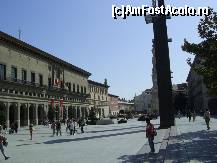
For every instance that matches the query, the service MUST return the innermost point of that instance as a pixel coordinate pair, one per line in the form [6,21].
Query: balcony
[18,82]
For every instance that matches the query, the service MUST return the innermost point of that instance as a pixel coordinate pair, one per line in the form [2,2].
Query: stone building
[199,99]
[98,99]
[34,83]
[113,104]
[125,106]
[143,102]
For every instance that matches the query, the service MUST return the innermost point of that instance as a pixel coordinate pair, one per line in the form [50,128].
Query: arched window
[82,89]
[73,87]
[77,88]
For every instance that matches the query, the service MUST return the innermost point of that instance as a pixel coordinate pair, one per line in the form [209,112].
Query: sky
[84,34]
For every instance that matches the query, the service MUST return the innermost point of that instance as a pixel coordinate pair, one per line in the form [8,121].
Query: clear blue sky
[84,33]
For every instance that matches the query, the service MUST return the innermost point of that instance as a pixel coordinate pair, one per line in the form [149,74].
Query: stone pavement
[99,144]
[185,142]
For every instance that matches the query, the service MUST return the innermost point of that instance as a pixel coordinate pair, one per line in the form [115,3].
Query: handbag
[155,132]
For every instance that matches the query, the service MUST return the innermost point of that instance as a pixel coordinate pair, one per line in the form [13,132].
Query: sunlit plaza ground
[105,143]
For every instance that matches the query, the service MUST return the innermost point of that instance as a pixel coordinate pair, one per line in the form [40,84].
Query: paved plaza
[188,142]
[105,143]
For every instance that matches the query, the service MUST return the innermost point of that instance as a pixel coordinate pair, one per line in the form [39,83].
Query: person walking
[194,115]
[72,127]
[179,114]
[5,127]
[82,124]
[3,142]
[189,116]
[68,125]
[150,133]
[207,118]
[16,127]
[53,127]
[58,128]
[31,130]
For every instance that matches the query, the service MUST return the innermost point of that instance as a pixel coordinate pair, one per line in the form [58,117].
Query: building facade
[98,99]
[143,102]
[125,106]
[35,85]
[113,104]
[199,99]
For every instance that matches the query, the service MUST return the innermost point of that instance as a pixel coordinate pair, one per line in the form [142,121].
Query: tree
[92,115]
[50,113]
[206,52]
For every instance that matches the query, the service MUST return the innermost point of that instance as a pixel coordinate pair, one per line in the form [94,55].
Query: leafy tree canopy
[205,52]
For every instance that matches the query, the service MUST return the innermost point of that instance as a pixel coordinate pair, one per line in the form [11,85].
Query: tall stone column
[27,107]
[18,114]
[81,112]
[67,112]
[75,108]
[36,114]
[78,110]
[8,114]
[84,112]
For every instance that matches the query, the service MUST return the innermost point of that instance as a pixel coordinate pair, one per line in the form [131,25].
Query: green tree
[51,113]
[205,51]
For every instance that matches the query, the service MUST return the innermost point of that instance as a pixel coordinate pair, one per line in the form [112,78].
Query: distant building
[180,88]
[125,106]
[99,98]
[143,102]
[113,104]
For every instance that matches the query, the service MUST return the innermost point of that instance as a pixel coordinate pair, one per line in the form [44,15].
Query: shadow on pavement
[200,146]
[119,129]
[141,158]
[90,137]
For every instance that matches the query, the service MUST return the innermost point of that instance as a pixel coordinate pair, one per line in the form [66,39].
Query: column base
[18,123]
[8,123]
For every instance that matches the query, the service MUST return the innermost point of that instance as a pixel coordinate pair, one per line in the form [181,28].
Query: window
[2,72]
[14,73]
[32,77]
[85,91]
[73,87]
[98,97]
[49,67]
[49,82]
[77,88]
[82,89]
[24,75]
[70,87]
[62,84]
[40,80]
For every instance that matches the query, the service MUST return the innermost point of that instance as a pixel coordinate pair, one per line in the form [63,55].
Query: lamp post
[163,68]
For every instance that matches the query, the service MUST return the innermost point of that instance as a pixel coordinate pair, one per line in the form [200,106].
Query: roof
[39,53]
[97,84]
[113,95]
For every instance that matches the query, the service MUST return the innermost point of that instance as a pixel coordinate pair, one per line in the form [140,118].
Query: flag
[52,103]
[61,106]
